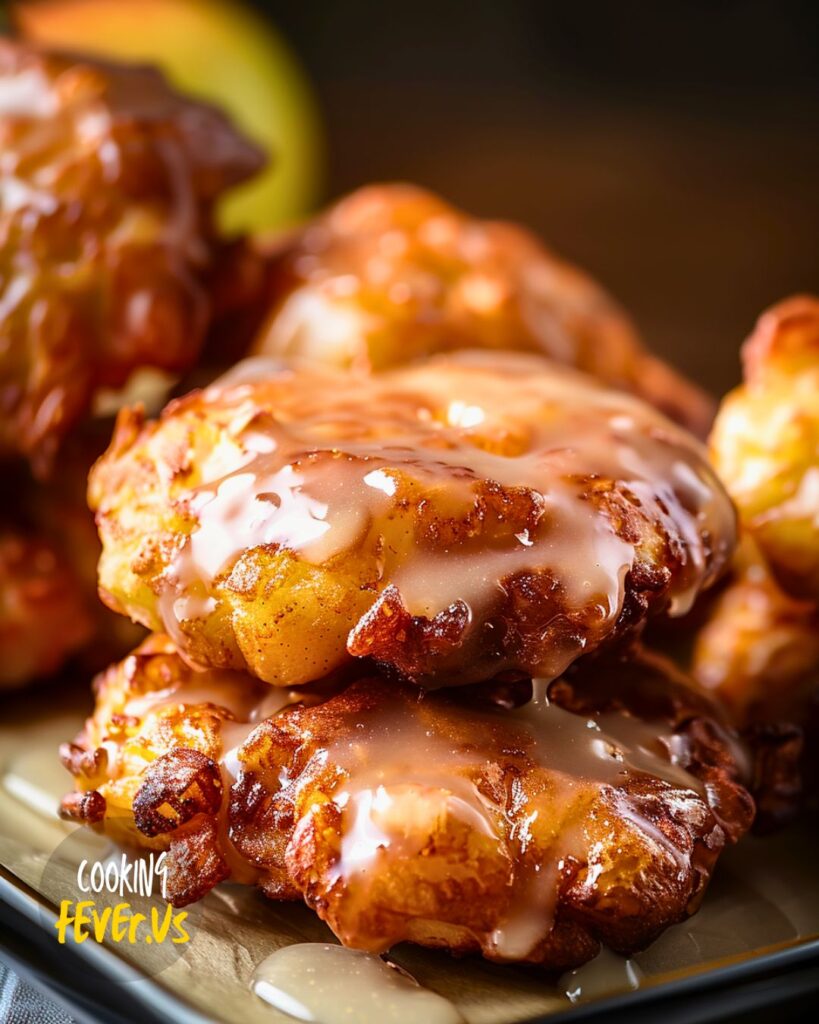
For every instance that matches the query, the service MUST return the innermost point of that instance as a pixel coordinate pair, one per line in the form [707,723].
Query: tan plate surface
[765,897]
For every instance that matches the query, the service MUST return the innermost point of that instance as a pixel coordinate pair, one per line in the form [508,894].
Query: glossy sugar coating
[477,513]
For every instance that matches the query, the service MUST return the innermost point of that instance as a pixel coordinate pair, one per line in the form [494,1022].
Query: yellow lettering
[179,924]
[119,926]
[161,931]
[124,925]
[101,923]
[64,920]
[81,918]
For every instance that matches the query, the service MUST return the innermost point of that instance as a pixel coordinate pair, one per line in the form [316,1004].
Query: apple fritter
[392,273]
[533,834]
[107,246]
[52,614]
[758,650]
[477,513]
[44,618]
[765,442]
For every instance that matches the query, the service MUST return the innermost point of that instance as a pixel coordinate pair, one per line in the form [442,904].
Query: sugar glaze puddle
[330,984]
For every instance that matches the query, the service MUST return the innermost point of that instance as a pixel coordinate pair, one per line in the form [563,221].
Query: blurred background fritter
[44,619]
[392,273]
[53,617]
[765,442]
[667,149]
[111,272]
[107,242]
[758,649]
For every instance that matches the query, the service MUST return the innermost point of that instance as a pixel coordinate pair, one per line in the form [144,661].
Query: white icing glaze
[604,746]
[607,975]
[248,701]
[329,984]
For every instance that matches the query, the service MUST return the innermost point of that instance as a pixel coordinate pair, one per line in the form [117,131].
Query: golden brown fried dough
[392,273]
[765,442]
[107,184]
[533,834]
[477,513]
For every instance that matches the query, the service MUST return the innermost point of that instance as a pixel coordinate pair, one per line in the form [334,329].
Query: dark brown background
[670,148]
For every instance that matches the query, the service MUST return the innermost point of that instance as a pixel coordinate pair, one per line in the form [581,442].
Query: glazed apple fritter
[765,442]
[532,834]
[107,247]
[392,273]
[473,514]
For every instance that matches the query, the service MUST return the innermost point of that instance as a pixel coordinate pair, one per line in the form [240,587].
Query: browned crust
[787,333]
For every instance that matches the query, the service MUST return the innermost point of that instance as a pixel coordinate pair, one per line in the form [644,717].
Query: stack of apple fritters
[396,666]
[399,567]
